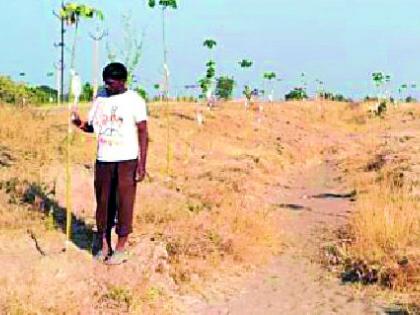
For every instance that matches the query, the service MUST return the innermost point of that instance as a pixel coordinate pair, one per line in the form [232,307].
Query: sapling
[304,83]
[320,93]
[206,88]
[208,84]
[269,76]
[247,91]
[403,91]
[380,79]
[165,5]
[71,13]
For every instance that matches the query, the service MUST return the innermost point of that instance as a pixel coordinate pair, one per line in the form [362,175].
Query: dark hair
[116,71]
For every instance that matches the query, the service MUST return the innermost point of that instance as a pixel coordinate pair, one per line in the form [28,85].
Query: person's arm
[82,125]
[143,147]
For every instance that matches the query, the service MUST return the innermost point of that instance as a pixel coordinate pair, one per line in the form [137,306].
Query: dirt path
[295,283]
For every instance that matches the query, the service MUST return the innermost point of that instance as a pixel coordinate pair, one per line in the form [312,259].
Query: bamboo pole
[68,177]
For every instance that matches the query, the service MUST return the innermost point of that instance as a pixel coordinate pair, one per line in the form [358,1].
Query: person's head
[115,77]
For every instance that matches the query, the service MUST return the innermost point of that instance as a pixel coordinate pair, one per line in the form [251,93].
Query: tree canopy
[164,4]
[210,43]
[72,12]
[245,63]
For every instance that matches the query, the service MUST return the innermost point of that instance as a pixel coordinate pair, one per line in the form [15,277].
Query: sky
[340,42]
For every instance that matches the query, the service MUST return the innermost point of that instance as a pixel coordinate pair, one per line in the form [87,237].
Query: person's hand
[140,174]
[75,118]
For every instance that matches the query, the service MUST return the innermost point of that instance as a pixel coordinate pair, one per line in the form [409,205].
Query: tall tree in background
[130,50]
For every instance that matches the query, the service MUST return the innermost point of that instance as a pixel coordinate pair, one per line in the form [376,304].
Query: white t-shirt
[114,120]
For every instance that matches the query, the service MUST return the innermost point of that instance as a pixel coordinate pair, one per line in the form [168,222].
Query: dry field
[218,213]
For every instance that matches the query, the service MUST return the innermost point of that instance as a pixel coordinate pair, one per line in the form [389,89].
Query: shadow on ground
[350,195]
[41,198]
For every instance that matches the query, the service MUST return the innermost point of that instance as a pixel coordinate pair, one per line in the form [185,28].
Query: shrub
[297,94]
[224,87]
[21,94]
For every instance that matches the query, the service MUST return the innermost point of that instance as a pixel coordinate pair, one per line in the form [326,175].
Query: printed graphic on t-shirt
[109,128]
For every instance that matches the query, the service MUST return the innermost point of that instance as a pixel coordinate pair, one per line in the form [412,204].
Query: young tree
[320,92]
[208,83]
[205,83]
[72,13]
[247,91]
[130,49]
[164,6]
[269,76]
[380,80]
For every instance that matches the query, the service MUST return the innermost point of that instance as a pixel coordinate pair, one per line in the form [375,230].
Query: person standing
[119,120]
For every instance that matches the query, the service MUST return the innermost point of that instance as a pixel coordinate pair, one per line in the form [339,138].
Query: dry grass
[198,212]
[211,214]
[385,226]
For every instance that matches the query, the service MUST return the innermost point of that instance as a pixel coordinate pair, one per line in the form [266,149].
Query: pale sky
[340,42]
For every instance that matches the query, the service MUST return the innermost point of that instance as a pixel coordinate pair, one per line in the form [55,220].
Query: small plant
[119,295]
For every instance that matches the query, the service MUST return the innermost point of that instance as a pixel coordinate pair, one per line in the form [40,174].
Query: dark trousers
[115,189]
